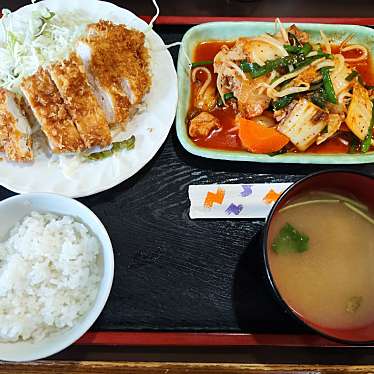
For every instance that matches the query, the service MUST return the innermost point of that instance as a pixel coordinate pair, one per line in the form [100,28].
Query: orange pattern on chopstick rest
[271,196]
[214,197]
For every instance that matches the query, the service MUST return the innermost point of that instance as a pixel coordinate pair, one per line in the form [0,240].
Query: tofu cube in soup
[303,124]
[50,111]
[15,130]
[81,102]
[359,112]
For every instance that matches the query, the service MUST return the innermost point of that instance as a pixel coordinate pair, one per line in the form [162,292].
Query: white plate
[150,127]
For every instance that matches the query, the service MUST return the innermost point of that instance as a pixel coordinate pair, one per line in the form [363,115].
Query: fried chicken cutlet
[72,82]
[15,131]
[117,63]
[50,111]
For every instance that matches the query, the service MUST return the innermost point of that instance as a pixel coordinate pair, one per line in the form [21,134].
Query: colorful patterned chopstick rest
[234,200]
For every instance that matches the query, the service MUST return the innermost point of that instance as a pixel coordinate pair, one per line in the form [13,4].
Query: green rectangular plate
[233,30]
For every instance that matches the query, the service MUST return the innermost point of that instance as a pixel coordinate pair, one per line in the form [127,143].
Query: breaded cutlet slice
[72,82]
[15,130]
[50,111]
[118,61]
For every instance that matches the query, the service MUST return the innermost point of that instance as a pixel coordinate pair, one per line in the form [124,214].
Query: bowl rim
[105,285]
[269,274]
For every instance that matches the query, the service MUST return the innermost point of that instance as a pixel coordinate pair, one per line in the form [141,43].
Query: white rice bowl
[49,276]
[56,273]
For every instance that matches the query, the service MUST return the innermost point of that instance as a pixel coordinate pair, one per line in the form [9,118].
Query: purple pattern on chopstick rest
[232,208]
[247,190]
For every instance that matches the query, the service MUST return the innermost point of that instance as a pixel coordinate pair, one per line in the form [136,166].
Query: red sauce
[333,145]
[365,68]
[229,140]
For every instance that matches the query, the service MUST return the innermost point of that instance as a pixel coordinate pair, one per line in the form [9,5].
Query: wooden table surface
[252,359]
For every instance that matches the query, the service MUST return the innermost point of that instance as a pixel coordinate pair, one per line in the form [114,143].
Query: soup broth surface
[332,282]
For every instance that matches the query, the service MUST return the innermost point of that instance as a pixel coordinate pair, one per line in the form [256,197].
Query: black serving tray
[176,274]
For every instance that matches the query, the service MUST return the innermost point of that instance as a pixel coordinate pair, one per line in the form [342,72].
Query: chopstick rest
[234,200]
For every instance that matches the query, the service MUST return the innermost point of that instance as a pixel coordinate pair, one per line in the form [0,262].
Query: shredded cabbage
[43,38]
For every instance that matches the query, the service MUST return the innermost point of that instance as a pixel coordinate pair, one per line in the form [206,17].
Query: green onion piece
[254,69]
[367,141]
[353,145]
[228,96]
[369,87]
[282,102]
[127,144]
[290,240]
[200,63]
[245,66]
[351,76]
[220,103]
[360,80]
[329,88]
[319,98]
[304,50]
[292,48]
[307,48]
[355,74]
[308,60]
[299,61]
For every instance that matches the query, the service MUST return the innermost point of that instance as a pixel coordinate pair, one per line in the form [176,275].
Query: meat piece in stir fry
[252,100]
[203,124]
[302,37]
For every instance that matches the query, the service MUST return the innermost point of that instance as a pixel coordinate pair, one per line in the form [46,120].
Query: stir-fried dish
[282,93]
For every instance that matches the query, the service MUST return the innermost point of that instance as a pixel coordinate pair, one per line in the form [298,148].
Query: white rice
[49,276]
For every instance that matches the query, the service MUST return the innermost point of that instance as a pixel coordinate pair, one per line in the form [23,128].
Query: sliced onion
[288,76]
[325,42]
[282,30]
[326,63]
[207,82]
[274,42]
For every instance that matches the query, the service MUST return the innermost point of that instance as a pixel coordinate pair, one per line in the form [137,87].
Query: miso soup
[321,256]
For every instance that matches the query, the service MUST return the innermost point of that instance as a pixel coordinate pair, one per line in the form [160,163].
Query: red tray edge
[188,339]
[195,20]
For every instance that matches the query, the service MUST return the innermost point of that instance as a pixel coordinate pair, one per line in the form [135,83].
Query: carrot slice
[260,139]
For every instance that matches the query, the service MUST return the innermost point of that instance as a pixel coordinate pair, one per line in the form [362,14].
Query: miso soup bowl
[353,183]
